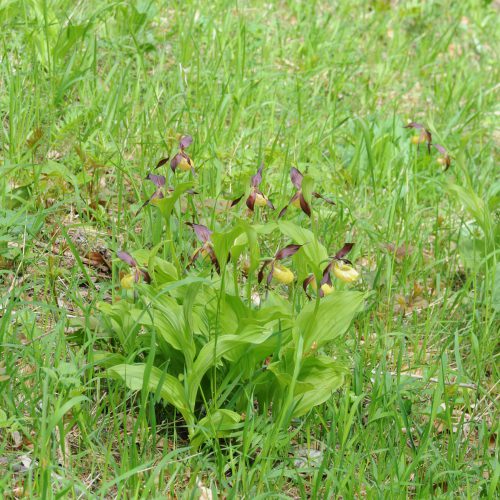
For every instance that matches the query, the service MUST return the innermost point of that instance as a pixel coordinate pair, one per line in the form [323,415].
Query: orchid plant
[256,196]
[426,136]
[206,250]
[204,331]
[278,271]
[298,200]
[341,267]
[137,273]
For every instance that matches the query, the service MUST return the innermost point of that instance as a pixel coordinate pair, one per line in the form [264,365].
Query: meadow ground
[94,94]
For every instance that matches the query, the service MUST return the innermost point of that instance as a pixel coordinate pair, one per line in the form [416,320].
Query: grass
[93,94]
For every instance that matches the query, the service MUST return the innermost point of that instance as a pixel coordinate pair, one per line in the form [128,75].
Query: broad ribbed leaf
[331,319]
[217,424]
[169,387]
[214,350]
[325,375]
[166,205]
[307,188]
[167,316]
[313,249]
[223,241]
[247,242]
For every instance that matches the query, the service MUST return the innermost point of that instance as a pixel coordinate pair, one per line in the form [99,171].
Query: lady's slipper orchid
[345,272]
[181,160]
[282,274]
[204,236]
[424,136]
[298,199]
[444,159]
[256,197]
[128,280]
[159,182]
[342,269]
[278,271]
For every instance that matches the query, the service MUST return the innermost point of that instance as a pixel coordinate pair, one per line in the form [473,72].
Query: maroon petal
[328,268]
[251,200]
[185,142]
[158,194]
[157,180]
[343,251]
[270,275]
[427,137]
[415,125]
[127,258]
[326,278]
[288,251]
[137,275]
[292,199]
[236,200]
[324,198]
[304,205]
[188,159]
[145,275]
[282,212]
[257,178]
[202,232]
[175,161]
[213,258]
[260,276]
[142,206]
[441,149]
[307,282]
[296,177]
[162,162]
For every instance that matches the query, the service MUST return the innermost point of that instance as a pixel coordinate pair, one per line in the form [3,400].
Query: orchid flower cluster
[426,136]
[272,268]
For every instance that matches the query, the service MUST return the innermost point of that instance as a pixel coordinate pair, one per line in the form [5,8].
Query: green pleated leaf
[167,386]
[218,424]
[215,349]
[312,248]
[319,377]
[331,319]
